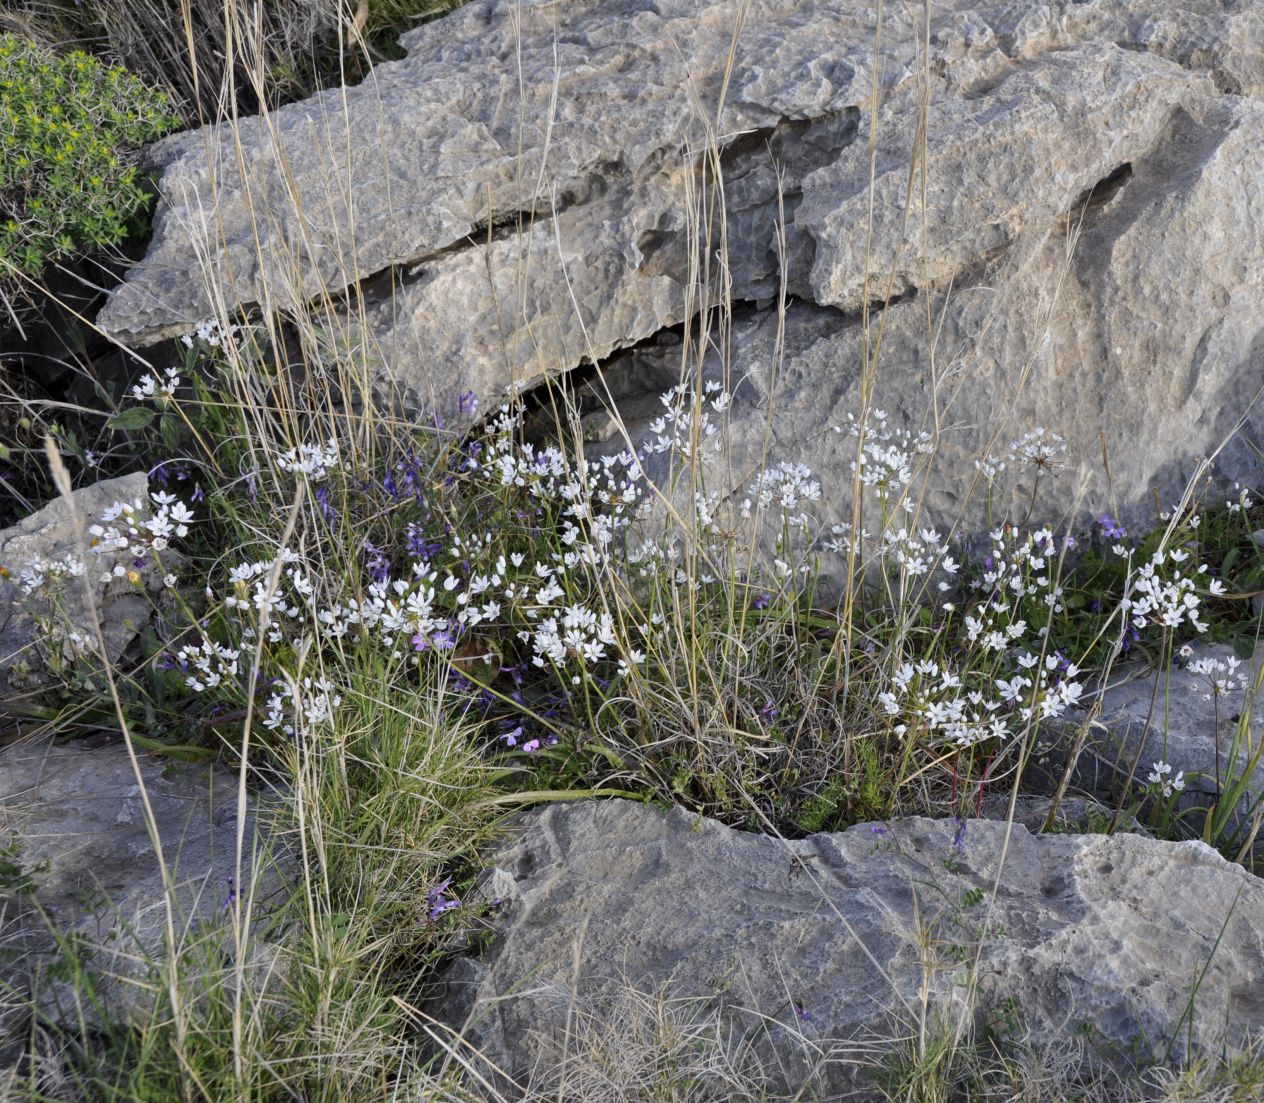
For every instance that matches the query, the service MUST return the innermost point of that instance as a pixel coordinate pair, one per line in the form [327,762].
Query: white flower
[1160,774]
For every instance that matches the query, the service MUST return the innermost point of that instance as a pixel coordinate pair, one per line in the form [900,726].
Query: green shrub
[70,128]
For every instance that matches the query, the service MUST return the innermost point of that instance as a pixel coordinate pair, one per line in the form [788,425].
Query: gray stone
[78,860]
[521,193]
[1092,935]
[34,628]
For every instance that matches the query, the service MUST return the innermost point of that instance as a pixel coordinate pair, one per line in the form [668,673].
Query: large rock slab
[78,860]
[522,194]
[52,623]
[817,944]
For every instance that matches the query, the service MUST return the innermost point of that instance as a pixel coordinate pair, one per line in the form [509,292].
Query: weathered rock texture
[830,939]
[33,627]
[76,850]
[1079,251]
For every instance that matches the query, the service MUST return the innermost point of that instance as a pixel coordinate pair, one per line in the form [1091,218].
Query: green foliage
[70,128]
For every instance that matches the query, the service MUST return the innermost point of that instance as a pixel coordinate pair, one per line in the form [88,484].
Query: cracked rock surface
[78,857]
[805,946]
[520,195]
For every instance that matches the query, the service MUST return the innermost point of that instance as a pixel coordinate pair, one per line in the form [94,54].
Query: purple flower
[322,500]
[769,711]
[467,403]
[378,564]
[801,1013]
[878,829]
[233,895]
[418,546]
[531,746]
[959,837]
[762,600]
[511,738]
[1111,528]
[167,661]
[440,900]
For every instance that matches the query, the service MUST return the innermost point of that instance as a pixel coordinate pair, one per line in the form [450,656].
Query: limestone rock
[32,625]
[76,849]
[521,194]
[817,945]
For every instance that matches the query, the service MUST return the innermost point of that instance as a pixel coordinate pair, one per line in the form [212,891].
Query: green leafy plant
[71,128]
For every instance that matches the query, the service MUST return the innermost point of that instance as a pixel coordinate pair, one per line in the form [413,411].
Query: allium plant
[607,628]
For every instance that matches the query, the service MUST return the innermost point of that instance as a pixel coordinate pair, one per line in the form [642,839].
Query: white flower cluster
[1161,775]
[1242,503]
[315,461]
[211,665]
[936,702]
[1017,568]
[1220,675]
[1038,448]
[430,609]
[788,486]
[931,700]
[687,424]
[918,555]
[150,386]
[577,632]
[124,527]
[36,574]
[123,540]
[211,332]
[887,456]
[1161,593]
[312,699]
[597,499]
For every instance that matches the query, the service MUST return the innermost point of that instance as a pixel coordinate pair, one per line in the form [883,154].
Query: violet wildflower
[959,836]
[327,511]
[442,640]
[439,900]
[769,711]
[762,600]
[1111,528]
[877,829]
[378,564]
[233,896]
[802,1013]
[467,403]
